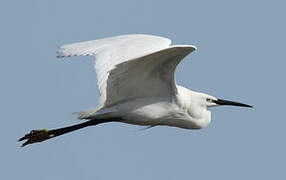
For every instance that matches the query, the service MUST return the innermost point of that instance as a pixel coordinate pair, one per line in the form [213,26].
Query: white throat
[193,103]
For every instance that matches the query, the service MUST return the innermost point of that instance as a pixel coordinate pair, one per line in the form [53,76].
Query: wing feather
[131,66]
[148,76]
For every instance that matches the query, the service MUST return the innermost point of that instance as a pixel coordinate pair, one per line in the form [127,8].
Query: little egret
[136,81]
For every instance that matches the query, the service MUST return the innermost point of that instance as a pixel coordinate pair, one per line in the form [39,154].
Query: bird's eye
[209,99]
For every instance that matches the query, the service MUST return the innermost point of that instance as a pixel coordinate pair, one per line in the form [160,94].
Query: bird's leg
[43,134]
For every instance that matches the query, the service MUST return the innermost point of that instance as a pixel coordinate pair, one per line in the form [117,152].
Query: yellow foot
[36,136]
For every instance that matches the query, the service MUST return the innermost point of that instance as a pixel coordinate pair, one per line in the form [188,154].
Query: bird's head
[197,105]
[194,100]
[211,101]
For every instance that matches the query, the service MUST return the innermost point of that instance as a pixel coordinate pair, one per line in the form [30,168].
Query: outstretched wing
[131,66]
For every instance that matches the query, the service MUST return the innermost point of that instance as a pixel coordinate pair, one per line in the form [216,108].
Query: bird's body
[153,111]
[136,80]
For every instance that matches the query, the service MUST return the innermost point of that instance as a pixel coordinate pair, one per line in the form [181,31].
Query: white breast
[151,112]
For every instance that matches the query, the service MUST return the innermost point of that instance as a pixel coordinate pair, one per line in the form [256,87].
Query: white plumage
[125,52]
[136,80]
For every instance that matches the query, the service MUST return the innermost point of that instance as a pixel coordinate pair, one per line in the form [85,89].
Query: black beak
[231,103]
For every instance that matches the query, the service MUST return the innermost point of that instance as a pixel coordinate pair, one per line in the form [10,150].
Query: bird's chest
[161,113]
[150,114]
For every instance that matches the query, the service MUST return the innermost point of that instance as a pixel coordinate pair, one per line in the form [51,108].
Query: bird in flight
[136,80]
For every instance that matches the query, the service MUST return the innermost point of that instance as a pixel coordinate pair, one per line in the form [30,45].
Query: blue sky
[240,56]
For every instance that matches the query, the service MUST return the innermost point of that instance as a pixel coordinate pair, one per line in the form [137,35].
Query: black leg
[43,134]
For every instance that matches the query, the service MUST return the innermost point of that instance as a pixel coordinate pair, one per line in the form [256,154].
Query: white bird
[136,80]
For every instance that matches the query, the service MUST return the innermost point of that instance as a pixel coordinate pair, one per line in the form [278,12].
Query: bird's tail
[98,113]
[86,114]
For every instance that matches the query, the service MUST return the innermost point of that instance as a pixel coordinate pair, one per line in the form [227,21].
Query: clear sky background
[240,56]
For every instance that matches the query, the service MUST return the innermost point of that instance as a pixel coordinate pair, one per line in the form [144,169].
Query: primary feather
[131,66]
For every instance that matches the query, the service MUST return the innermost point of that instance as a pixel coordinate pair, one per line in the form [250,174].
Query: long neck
[184,97]
[190,102]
